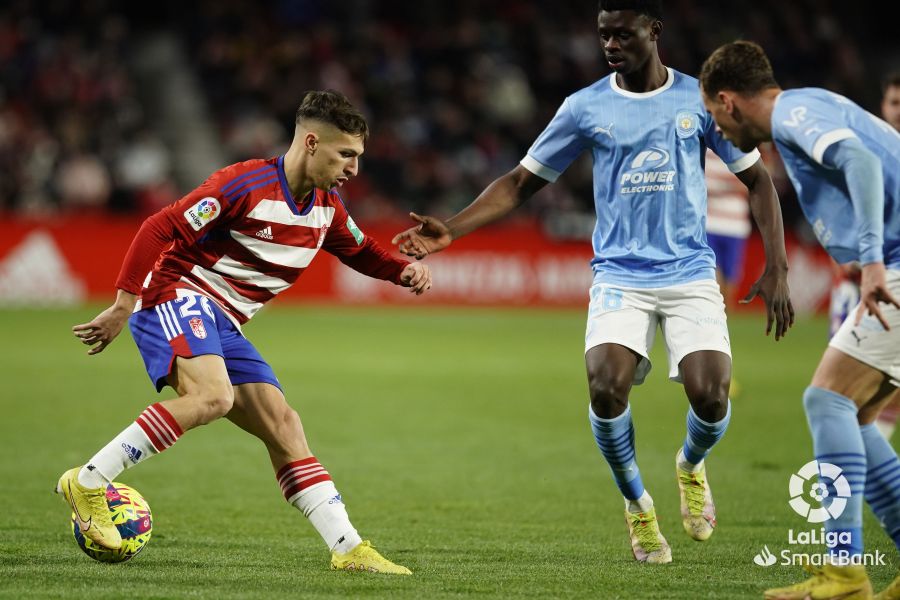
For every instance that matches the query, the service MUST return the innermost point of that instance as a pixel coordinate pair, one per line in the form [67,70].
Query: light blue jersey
[649,186]
[806,123]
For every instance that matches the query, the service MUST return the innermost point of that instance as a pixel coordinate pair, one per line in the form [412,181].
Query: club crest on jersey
[354,230]
[686,123]
[202,213]
[198,328]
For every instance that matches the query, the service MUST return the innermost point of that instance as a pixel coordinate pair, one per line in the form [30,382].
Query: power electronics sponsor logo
[198,328]
[202,213]
[647,174]
[133,453]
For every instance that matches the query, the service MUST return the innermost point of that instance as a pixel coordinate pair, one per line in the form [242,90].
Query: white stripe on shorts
[162,322]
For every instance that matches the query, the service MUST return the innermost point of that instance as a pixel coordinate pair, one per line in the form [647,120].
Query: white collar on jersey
[669,81]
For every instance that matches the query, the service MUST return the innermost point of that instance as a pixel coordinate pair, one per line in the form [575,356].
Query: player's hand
[417,277]
[872,290]
[100,332]
[429,236]
[772,287]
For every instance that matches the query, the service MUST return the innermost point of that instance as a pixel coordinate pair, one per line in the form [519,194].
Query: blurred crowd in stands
[455,91]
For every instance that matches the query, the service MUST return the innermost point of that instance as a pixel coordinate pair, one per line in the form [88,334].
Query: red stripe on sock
[163,431]
[296,478]
[302,486]
[296,463]
[160,426]
[151,435]
[308,470]
[170,420]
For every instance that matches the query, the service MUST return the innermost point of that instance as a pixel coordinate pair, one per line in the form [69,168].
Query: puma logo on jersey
[265,233]
[605,130]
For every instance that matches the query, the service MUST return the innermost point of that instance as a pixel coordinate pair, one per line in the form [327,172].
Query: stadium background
[458,431]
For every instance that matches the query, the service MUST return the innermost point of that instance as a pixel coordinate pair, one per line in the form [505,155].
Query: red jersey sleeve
[189,219]
[356,250]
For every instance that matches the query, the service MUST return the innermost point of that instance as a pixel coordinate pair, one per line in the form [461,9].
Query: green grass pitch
[458,438]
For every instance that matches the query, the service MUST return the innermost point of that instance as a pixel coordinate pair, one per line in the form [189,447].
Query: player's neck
[298,184]
[651,77]
[759,110]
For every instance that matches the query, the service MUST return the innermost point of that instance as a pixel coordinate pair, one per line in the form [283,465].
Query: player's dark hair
[650,8]
[890,80]
[334,108]
[740,66]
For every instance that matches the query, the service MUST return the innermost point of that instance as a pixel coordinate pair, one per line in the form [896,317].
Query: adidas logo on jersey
[265,234]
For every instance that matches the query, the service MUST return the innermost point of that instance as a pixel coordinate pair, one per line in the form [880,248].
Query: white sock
[322,505]
[684,465]
[153,431]
[642,504]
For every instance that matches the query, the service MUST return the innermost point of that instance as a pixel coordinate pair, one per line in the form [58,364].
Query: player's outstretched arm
[429,236]
[772,286]
[155,234]
[417,277]
[496,201]
[872,290]
[103,329]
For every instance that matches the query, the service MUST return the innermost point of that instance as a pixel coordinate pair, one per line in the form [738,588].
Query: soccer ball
[130,514]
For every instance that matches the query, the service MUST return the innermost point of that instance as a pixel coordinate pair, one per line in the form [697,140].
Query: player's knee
[216,401]
[709,399]
[609,394]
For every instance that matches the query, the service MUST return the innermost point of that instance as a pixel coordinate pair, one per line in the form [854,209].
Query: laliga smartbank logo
[818,493]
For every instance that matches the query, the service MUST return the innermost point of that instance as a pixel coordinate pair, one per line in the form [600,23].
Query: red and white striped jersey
[240,238]
[728,212]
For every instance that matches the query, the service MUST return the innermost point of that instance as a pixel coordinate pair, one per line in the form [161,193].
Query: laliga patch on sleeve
[354,230]
[203,212]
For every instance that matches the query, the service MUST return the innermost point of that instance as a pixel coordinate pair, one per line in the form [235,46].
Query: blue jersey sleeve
[734,158]
[865,184]
[557,146]
[808,123]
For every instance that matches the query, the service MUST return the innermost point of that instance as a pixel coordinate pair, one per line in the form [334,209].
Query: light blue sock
[615,438]
[838,440]
[702,436]
[882,480]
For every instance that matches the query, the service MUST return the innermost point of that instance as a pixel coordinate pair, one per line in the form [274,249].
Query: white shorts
[868,342]
[691,316]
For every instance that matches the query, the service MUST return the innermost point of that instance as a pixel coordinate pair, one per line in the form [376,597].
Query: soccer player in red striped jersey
[198,270]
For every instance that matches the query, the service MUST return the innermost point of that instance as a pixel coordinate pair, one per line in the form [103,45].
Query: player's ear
[311,142]
[726,100]
[656,28]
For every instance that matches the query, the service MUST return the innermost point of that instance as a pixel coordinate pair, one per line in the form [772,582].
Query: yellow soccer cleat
[89,510]
[365,558]
[828,582]
[647,542]
[891,592]
[698,513]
